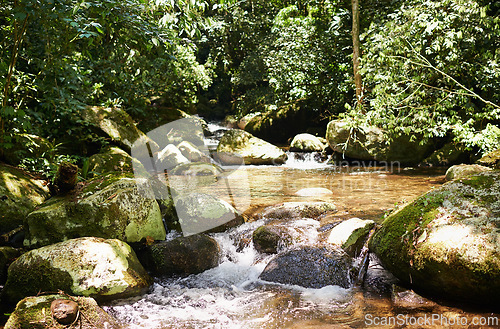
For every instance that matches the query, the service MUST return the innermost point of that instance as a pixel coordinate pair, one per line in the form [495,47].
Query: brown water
[232,296]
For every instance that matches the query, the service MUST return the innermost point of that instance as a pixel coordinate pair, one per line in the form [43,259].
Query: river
[231,295]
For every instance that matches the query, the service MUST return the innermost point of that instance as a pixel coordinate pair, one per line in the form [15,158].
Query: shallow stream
[231,295]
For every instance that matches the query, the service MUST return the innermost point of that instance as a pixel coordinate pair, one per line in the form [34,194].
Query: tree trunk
[356,52]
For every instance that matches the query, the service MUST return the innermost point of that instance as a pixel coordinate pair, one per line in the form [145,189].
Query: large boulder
[464,170]
[237,145]
[279,125]
[447,242]
[112,207]
[171,157]
[95,267]
[113,123]
[491,159]
[298,210]
[199,212]
[310,267]
[450,154]
[307,143]
[111,160]
[184,255]
[39,313]
[20,193]
[371,143]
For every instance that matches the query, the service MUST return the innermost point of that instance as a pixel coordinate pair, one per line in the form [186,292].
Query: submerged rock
[103,269]
[370,143]
[20,193]
[313,191]
[238,147]
[36,313]
[310,267]
[463,171]
[351,235]
[271,238]
[108,208]
[447,242]
[307,143]
[298,210]
[184,255]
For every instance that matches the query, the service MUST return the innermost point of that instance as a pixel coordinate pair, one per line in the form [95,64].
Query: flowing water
[232,296]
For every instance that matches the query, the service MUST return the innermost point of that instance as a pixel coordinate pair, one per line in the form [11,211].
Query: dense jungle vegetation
[429,68]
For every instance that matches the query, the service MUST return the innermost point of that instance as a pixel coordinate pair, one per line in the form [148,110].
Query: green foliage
[70,54]
[432,69]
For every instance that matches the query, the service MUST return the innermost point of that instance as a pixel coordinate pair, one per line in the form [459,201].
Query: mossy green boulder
[464,170]
[370,143]
[20,193]
[237,147]
[113,123]
[112,160]
[199,212]
[491,159]
[35,313]
[447,242]
[95,267]
[109,207]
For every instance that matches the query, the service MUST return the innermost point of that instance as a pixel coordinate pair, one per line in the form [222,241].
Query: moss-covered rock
[491,160]
[238,146]
[271,238]
[184,255]
[310,267]
[351,235]
[370,143]
[197,169]
[103,269]
[7,256]
[307,143]
[298,210]
[280,125]
[35,313]
[111,160]
[200,212]
[447,242]
[110,207]
[463,171]
[448,155]
[20,193]
[114,123]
